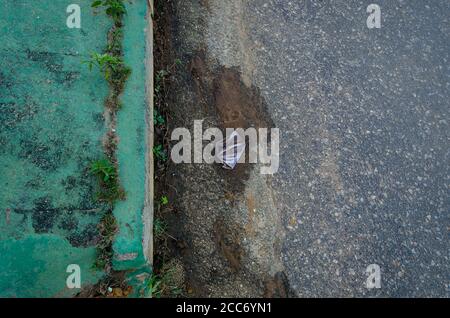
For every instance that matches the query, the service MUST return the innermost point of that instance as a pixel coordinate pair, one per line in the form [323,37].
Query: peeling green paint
[51,128]
[35,266]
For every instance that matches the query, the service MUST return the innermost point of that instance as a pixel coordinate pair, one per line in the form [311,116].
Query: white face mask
[230,150]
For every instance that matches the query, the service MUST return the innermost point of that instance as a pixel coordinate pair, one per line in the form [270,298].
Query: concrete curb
[147,214]
[133,244]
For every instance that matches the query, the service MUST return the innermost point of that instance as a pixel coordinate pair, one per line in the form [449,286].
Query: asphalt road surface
[364,150]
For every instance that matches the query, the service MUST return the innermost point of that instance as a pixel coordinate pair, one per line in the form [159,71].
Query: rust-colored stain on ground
[277,287]
[228,243]
[251,214]
[236,104]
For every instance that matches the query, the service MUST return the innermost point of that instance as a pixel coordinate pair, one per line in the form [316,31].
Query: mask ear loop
[235,142]
[224,158]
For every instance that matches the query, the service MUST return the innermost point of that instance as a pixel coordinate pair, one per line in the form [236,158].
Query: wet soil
[205,228]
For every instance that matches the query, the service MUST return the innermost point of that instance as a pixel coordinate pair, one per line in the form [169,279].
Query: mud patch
[233,103]
[278,287]
[250,202]
[237,105]
[227,241]
[202,215]
[205,3]
[225,97]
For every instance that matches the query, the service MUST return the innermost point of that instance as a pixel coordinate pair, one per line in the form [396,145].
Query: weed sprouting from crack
[160,116]
[160,153]
[111,65]
[108,229]
[110,189]
[114,8]
[167,281]
[168,277]
[106,63]
[159,228]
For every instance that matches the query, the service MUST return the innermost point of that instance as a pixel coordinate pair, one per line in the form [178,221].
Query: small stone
[117,292]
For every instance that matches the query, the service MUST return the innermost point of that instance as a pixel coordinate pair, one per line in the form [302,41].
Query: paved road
[363,176]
